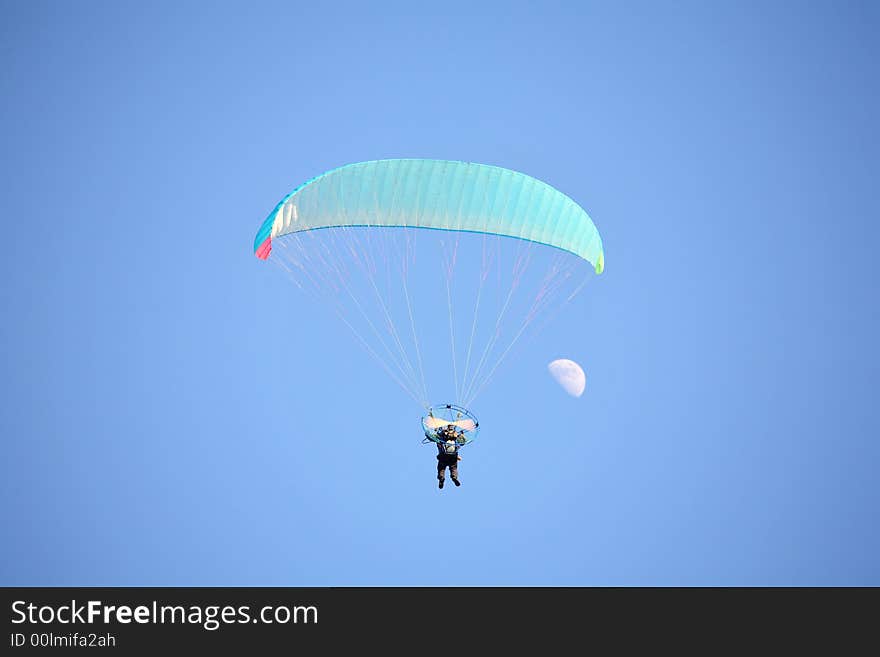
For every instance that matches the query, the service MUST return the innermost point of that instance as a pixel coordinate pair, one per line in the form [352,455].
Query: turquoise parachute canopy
[439,194]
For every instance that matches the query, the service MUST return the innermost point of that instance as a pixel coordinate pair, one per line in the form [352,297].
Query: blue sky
[176,414]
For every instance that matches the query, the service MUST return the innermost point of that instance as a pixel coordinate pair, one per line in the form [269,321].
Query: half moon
[569,375]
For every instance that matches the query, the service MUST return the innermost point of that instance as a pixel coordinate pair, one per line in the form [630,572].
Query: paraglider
[446,195]
[387,243]
[450,428]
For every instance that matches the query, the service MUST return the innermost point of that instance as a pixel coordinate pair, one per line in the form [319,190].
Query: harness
[448,448]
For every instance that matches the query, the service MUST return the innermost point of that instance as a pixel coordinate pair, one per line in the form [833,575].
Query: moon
[569,375]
